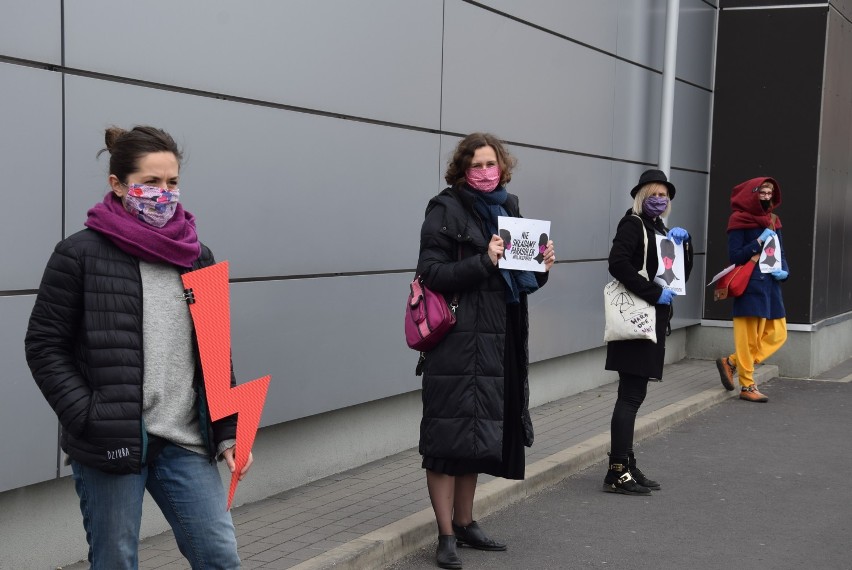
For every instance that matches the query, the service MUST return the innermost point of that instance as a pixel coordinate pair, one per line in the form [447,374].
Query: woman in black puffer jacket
[475,387]
[111,345]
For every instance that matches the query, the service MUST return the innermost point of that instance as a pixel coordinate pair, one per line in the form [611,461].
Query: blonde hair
[647,190]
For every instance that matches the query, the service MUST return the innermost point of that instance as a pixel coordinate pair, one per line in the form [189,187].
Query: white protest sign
[525,241]
[721,274]
[770,255]
[670,268]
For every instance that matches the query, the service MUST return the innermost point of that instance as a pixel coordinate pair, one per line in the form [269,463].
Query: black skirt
[514,365]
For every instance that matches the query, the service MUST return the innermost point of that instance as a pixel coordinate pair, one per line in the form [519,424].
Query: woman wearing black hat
[638,361]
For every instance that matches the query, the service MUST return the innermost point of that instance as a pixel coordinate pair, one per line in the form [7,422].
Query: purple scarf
[175,243]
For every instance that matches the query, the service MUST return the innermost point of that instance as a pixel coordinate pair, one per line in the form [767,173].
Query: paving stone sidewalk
[373,514]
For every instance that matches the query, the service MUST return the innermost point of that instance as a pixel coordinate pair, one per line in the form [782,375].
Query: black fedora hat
[654,175]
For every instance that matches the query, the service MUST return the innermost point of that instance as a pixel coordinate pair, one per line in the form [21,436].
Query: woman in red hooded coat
[760,324]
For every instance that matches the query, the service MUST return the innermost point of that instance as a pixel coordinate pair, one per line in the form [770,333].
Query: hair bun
[111,135]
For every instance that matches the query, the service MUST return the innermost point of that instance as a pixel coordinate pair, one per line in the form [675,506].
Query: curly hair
[463,155]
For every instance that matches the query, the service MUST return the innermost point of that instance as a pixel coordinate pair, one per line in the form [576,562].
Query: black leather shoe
[474,537]
[640,477]
[446,555]
[625,485]
[619,480]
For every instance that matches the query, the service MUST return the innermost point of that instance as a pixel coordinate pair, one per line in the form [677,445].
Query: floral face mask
[151,204]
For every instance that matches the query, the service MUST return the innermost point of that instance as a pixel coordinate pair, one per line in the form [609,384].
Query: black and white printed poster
[525,241]
[671,272]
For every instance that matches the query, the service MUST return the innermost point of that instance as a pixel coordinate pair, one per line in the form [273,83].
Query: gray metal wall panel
[304,189]
[832,281]
[689,207]
[381,61]
[843,7]
[31,29]
[636,122]
[565,189]
[31,163]
[593,23]
[566,316]
[696,36]
[540,89]
[690,135]
[624,178]
[328,343]
[642,31]
[30,444]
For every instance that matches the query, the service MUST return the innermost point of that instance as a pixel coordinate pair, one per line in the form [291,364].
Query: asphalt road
[745,486]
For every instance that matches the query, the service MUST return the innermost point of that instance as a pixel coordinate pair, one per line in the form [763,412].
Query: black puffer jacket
[463,375]
[84,348]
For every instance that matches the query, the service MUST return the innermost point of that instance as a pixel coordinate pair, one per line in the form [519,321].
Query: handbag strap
[644,270]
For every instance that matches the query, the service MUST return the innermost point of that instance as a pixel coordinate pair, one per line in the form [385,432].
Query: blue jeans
[189,492]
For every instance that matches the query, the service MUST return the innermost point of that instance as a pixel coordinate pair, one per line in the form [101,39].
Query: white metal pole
[667,108]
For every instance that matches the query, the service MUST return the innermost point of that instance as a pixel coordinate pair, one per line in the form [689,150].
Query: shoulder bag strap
[644,270]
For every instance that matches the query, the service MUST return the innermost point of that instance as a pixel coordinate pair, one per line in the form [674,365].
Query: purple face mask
[483,179]
[654,206]
[152,205]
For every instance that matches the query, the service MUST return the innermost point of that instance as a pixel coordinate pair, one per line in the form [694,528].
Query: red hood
[745,205]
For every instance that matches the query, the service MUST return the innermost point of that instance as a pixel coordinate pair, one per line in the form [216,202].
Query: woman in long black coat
[475,388]
[638,361]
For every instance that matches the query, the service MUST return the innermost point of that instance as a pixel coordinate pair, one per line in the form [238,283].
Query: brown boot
[726,372]
[751,394]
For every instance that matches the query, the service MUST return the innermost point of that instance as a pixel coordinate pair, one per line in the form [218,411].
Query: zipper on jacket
[143,443]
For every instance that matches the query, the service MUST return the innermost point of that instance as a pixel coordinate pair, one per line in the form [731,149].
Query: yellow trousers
[755,340]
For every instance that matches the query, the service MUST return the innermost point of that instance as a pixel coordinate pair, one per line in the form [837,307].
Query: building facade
[314,135]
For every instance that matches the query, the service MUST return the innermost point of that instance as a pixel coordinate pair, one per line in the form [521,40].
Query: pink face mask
[483,179]
[152,205]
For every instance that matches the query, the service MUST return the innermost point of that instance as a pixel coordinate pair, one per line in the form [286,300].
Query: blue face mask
[654,206]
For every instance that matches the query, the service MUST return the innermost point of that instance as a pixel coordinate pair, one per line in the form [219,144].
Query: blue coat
[762,297]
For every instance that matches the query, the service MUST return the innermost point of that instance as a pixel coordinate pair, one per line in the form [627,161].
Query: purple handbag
[428,318]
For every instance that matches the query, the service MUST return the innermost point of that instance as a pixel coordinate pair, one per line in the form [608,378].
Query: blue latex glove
[780,274]
[666,297]
[767,233]
[677,235]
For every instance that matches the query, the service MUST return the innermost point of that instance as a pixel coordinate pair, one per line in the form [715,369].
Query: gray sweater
[169,407]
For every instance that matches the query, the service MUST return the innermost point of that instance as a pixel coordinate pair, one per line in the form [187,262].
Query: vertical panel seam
[61,183]
[441,95]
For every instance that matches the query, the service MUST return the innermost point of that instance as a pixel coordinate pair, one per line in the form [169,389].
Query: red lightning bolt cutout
[209,304]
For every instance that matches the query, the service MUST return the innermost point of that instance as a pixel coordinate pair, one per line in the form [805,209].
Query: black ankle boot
[619,480]
[639,476]
[446,555]
[473,536]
